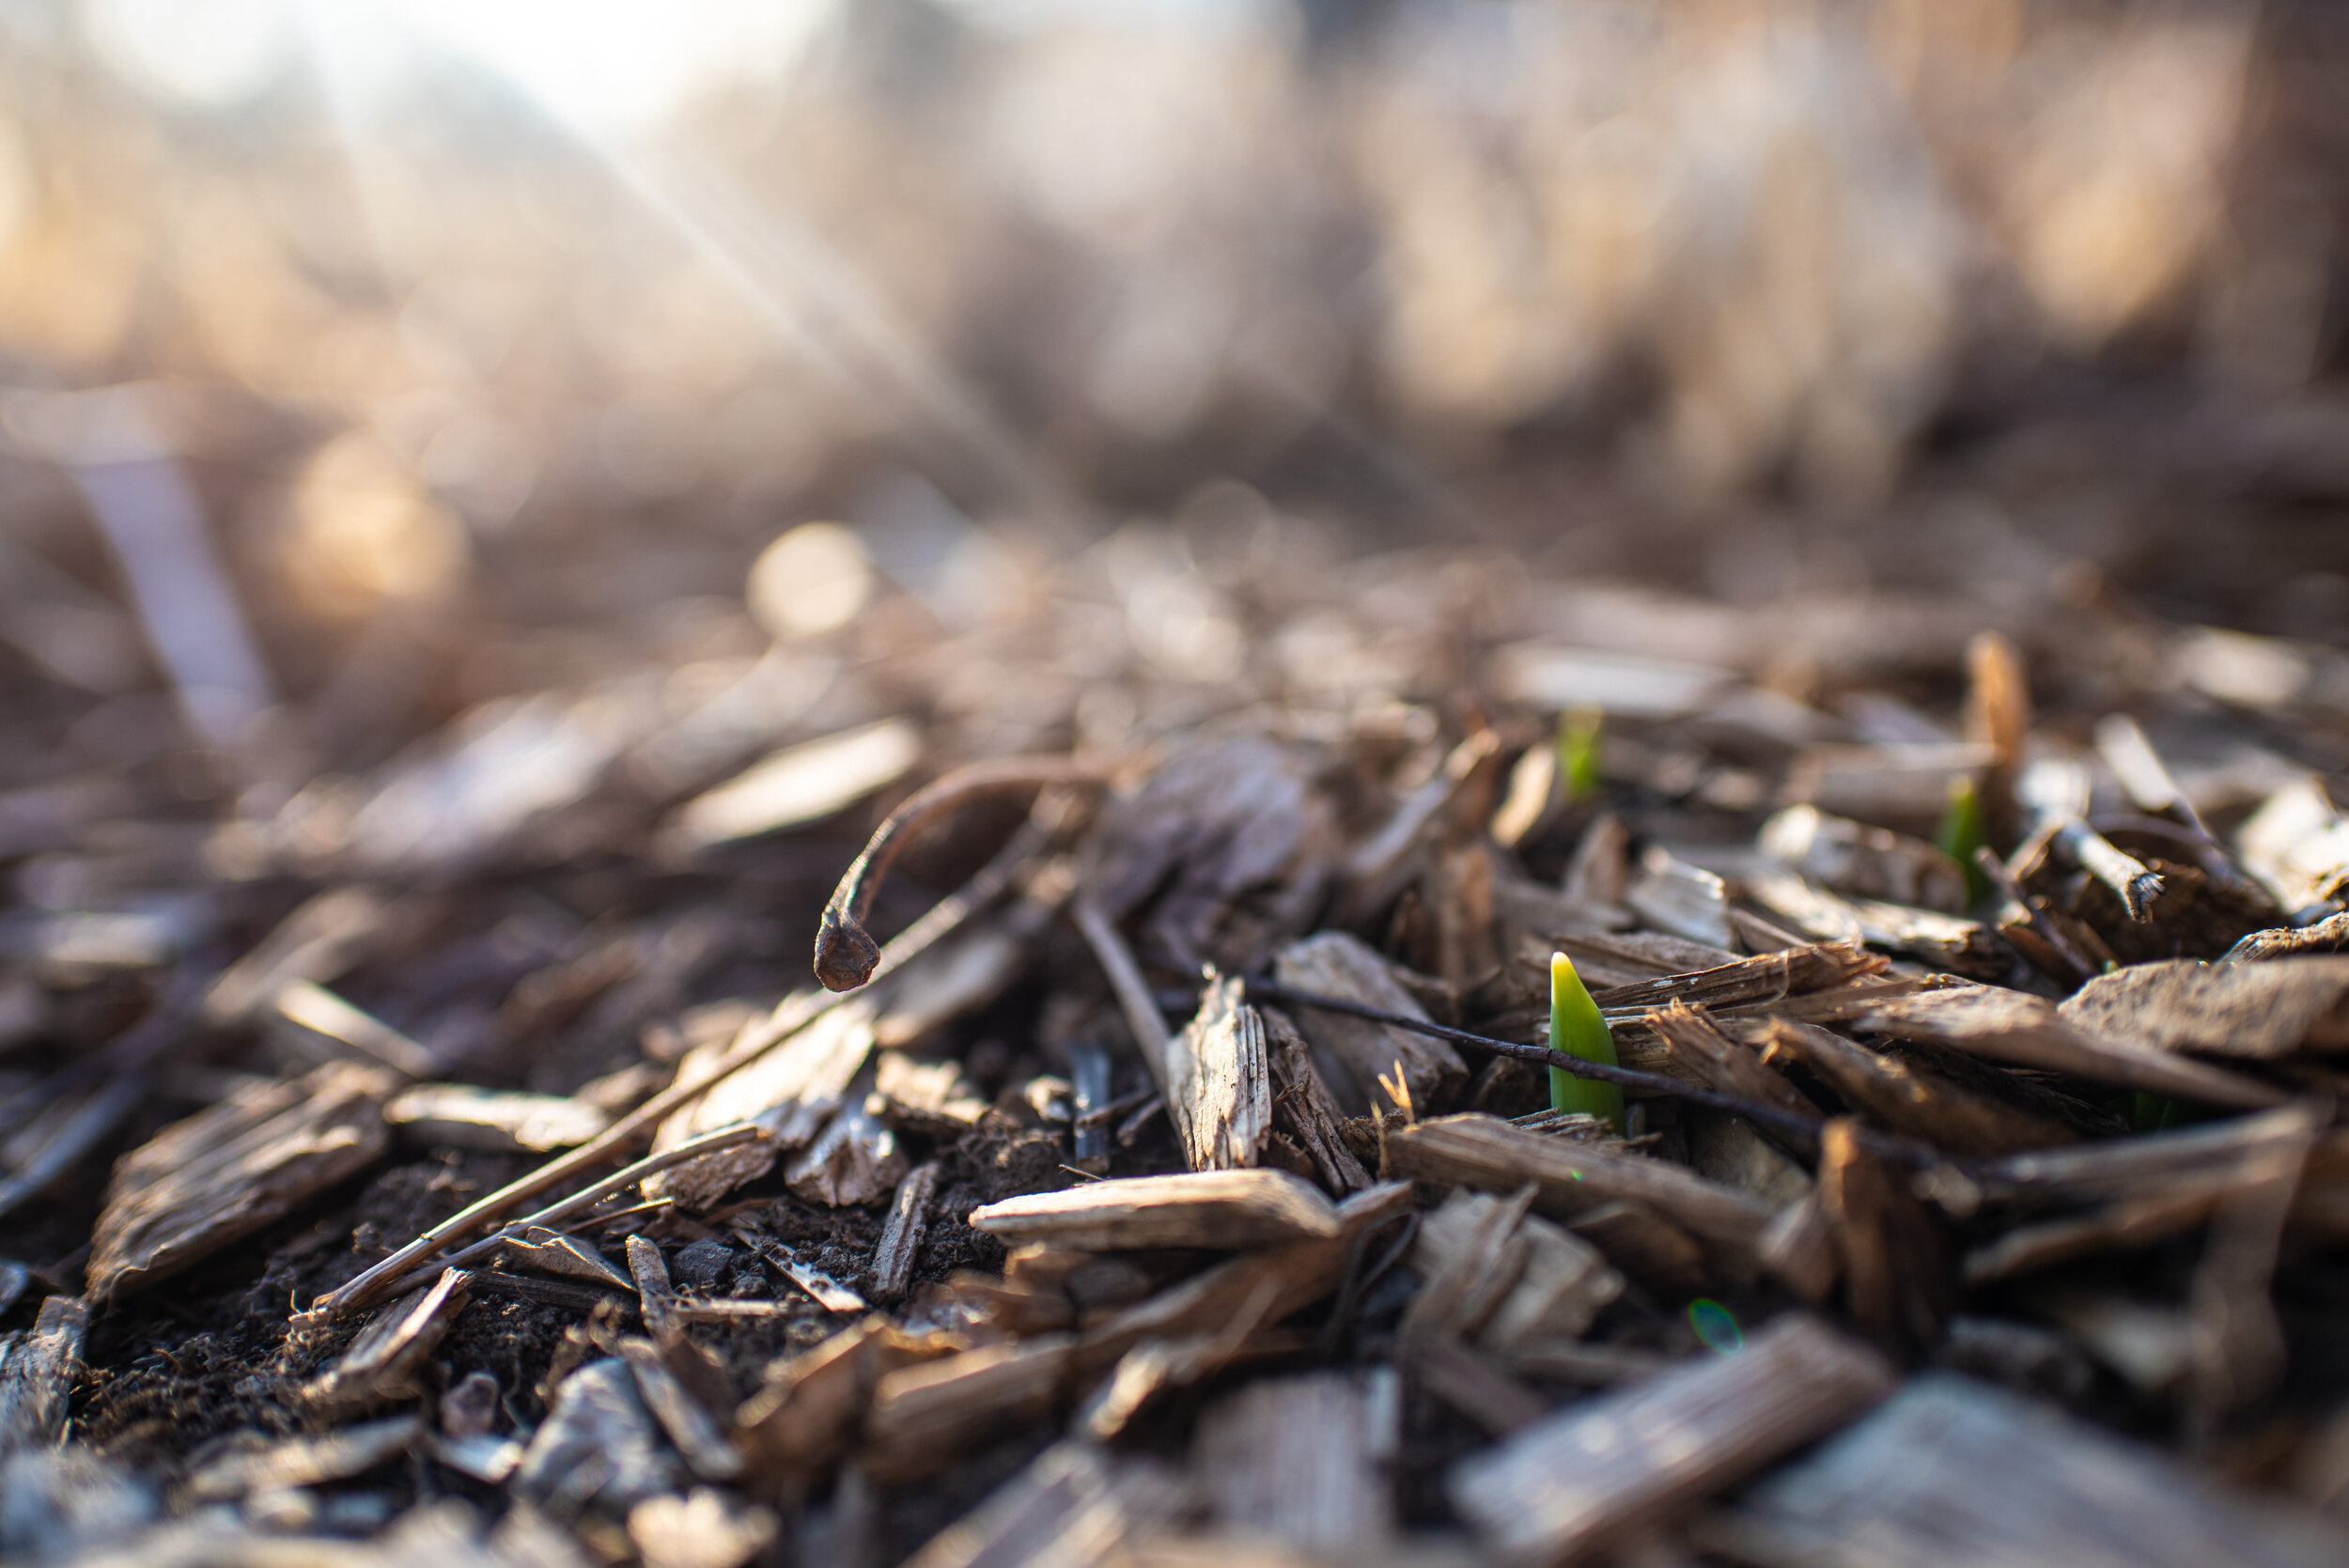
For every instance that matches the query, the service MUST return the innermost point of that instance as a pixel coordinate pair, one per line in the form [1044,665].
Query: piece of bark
[923,1415]
[1595,1473]
[1863,862]
[1639,957]
[1299,1460]
[384,1363]
[2298,845]
[1381,864]
[1908,1100]
[791,1091]
[656,1296]
[1895,1259]
[855,1160]
[705,1530]
[2213,1154]
[1952,1473]
[1492,1155]
[900,1241]
[1072,1507]
[1799,1249]
[1218,1087]
[38,1369]
[2259,1011]
[692,1428]
[1688,901]
[1599,871]
[227,1172]
[599,1443]
[1769,976]
[302,1014]
[829,1292]
[502,1120]
[264,1466]
[1303,1110]
[318,943]
[2009,1026]
[1219,1209]
[2327,936]
[1335,964]
[1155,1367]
[930,1097]
[1728,1150]
[807,1413]
[2240,1348]
[1697,1043]
[1946,941]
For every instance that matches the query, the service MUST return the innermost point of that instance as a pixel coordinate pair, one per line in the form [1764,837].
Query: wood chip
[791,1090]
[1557,1281]
[1897,1272]
[384,1360]
[1480,1152]
[1304,1112]
[1685,900]
[2009,1026]
[694,1429]
[1946,941]
[809,1408]
[855,1160]
[599,1443]
[1207,1208]
[504,1121]
[932,1097]
[1300,1460]
[1335,964]
[572,1257]
[1769,976]
[227,1172]
[1712,1058]
[1904,1098]
[1595,1472]
[900,1242]
[38,1367]
[1952,1472]
[1863,862]
[1218,1086]
[2261,1010]
[801,784]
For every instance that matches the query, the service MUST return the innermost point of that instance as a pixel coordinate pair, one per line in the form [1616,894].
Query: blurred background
[365,361]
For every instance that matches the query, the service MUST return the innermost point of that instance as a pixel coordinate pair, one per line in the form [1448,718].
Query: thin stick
[1631,1078]
[846,954]
[1143,1017]
[792,1014]
[588,1197]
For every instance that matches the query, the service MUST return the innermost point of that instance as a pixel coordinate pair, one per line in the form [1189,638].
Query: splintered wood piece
[318,942]
[1494,1157]
[1596,1471]
[1154,1367]
[2092,1172]
[1469,1257]
[38,1367]
[1767,976]
[656,1296]
[303,1008]
[1904,1098]
[855,1160]
[261,1466]
[830,1294]
[692,1429]
[901,1238]
[1946,941]
[2260,1010]
[1896,1265]
[1697,1043]
[1299,1460]
[1335,964]
[2009,1026]
[385,1357]
[1218,1084]
[2330,934]
[1951,1473]
[1622,959]
[1863,862]
[808,1410]
[1560,1280]
[227,1172]
[503,1121]
[1074,1505]
[597,1444]
[1303,1110]
[790,1091]
[1671,895]
[573,1257]
[1220,1209]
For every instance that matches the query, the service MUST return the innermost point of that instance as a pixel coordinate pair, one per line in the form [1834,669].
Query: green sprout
[1576,1029]
[1577,754]
[1962,833]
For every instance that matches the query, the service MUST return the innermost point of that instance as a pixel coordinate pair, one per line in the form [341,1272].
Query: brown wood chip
[2261,1010]
[1204,1208]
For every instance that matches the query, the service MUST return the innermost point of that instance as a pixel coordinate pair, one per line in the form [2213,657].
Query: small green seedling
[1576,1029]
[1962,833]
[1577,754]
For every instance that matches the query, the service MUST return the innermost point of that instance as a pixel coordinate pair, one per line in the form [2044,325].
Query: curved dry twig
[845,952]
